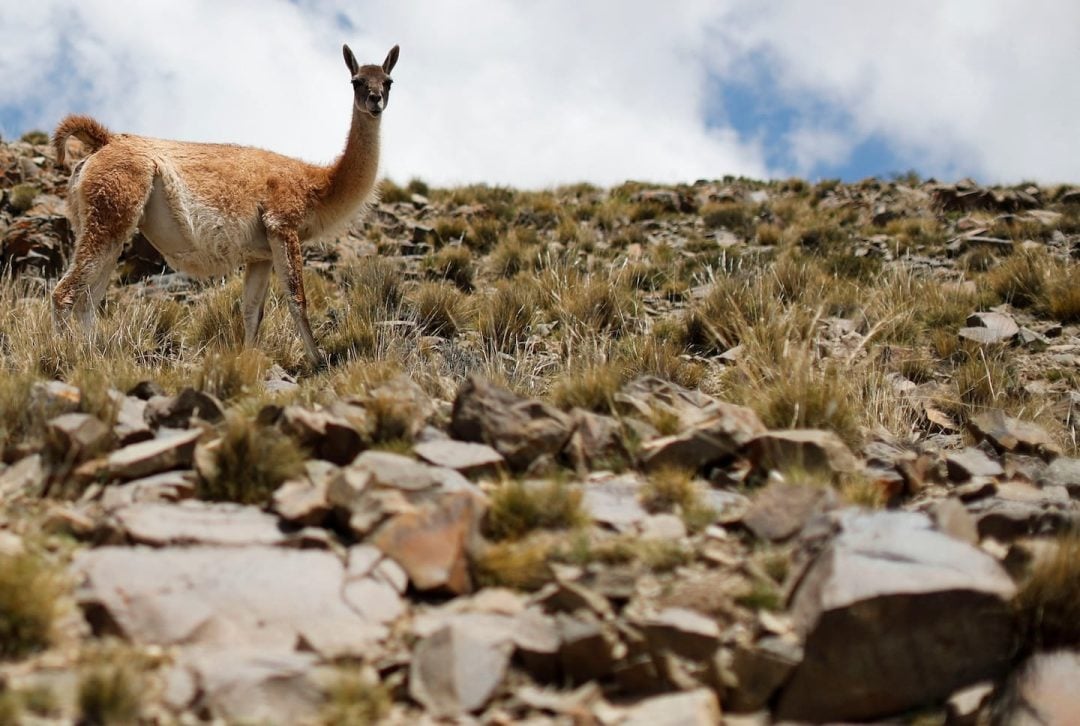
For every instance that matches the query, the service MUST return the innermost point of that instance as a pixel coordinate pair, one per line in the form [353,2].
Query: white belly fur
[195,238]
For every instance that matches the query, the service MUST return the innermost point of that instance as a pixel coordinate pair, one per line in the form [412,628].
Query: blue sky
[537,94]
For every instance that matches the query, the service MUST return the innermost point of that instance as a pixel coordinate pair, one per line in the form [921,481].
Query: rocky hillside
[734,451]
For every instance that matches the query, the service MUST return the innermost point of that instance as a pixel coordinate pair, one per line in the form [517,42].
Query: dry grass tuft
[504,317]
[520,565]
[453,263]
[673,490]
[29,589]
[592,386]
[439,308]
[518,508]
[1047,605]
[248,462]
[110,696]
[356,699]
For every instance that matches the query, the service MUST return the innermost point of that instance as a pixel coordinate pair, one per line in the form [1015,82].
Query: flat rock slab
[457,669]
[265,597]
[894,615]
[139,460]
[197,522]
[248,685]
[464,456]
[170,486]
[970,463]
[1064,472]
[615,502]
[401,472]
[693,708]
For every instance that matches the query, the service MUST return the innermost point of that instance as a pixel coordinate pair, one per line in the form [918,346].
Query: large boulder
[520,429]
[895,615]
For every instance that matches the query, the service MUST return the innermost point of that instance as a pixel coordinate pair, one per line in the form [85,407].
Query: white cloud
[518,93]
[533,94]
[975,86]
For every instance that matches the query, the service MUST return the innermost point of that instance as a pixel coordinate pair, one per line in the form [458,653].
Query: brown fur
[213,207]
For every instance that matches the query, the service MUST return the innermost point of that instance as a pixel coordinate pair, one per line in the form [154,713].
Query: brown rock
[588,650]
[130,425]
[1020,510]
[649,396]
[894,615]
[780,510]
[808,449]
[709,441]
[170,486]
[430,543]
[1012,435]
[760,670]
[331,437]
[176,451]
[521,430]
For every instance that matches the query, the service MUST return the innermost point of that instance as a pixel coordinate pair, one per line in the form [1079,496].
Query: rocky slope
[733,452]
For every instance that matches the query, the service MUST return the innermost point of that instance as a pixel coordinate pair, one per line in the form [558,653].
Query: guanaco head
[371,83]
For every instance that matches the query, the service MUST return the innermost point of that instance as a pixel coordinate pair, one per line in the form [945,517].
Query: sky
[537,94]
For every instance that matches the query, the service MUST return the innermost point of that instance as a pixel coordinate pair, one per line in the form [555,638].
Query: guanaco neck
[352,177]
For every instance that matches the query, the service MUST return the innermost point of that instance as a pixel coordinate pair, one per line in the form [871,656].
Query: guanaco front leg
[289,263]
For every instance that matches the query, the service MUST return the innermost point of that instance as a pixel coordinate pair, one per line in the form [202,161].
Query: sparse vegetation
[520,507]
[29,589]
[109,696]
[1048,602]
[248,462]
[22,196]
[356,699]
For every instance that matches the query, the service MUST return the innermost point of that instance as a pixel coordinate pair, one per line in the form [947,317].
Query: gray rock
[26,477]
[894,615]
[809,449]
[177,412]
[1044,691]
[400,472]
[648,396]
[249,685]
[197,522]
[952,518]
[596,442]
[1019,510]
[77,436]
[521,430]
[1012,435]
[170,486]
[457,669]
[331,437]
[139,460]
[969,463]
[129,426]
[1064,472]
[781,510]
[302,501]
[614,502]
[53,398]
[463,456]
[685,633]
[224,596]
[709,441]
[990,328]
[588,650]
[699,707]
[760,670]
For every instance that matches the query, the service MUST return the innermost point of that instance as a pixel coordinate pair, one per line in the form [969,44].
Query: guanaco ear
[350,60]
[391,60]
